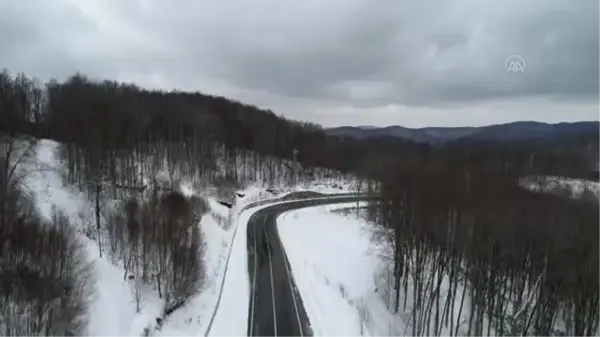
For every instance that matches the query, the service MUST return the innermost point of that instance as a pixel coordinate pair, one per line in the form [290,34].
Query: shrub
[159,241]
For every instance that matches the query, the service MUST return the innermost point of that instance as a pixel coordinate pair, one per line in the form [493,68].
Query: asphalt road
[276,308]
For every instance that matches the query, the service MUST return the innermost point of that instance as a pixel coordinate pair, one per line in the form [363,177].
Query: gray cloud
[335,62]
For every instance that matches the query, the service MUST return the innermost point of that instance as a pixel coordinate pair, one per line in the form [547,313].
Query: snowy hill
[119,302]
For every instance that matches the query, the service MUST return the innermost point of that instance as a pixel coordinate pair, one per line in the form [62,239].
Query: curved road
[276,308]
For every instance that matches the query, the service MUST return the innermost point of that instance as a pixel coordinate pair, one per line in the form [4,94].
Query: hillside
[114,294]
[120,207]
[116,117]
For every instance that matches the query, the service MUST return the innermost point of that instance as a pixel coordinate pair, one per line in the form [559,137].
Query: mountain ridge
[520,130]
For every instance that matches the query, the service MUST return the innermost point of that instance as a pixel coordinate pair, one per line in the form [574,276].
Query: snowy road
[275,308]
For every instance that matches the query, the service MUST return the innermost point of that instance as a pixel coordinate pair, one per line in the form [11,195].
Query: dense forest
[455,214]
[116,116]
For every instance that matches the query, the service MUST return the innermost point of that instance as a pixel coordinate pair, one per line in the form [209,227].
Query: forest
[455,214]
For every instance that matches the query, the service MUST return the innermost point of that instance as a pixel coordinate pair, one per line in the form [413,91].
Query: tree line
[113,115]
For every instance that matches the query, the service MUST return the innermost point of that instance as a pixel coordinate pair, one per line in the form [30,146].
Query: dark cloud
[394,61]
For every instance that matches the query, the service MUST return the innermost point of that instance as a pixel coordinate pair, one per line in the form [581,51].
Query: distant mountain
[368,127]
[501,132]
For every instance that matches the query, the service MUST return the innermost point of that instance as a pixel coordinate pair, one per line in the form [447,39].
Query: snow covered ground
[344,279]
[342,275]
[232,315]
[336,269]
[339,272]
[575,187]
[113,309]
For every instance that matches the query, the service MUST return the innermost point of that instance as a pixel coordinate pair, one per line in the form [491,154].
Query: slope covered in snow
[335,267]
[114,307]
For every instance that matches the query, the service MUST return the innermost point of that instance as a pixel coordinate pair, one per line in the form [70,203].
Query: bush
[44,275]
[159,241]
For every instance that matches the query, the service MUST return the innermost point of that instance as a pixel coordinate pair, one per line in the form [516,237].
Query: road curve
[276,308]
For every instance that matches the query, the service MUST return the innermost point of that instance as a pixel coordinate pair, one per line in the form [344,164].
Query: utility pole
[295,164]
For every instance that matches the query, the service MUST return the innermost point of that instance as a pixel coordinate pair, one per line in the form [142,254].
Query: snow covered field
[113,309]
[336,272]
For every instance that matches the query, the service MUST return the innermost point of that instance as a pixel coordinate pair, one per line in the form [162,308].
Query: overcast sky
[334,62]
